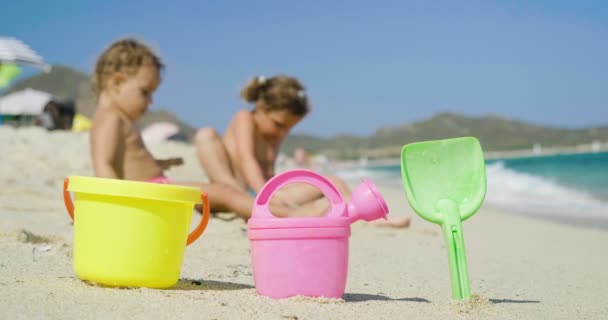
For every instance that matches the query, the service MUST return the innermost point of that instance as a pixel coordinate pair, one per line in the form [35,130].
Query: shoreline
[577,217]
[489,156]
[583,223]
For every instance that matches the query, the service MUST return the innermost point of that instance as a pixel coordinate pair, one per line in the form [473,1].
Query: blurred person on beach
[301,158]
[244,157]
[126,75]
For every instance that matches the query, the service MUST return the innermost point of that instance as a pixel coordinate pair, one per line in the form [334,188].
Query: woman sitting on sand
[244,158]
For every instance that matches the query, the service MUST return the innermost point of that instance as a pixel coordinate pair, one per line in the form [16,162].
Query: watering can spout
[366,203]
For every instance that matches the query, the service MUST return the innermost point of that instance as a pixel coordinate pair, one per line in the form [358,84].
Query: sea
[567,187]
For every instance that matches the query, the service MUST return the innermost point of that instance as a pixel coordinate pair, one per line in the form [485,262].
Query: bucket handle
[193,236]
[67,199]
[204,220]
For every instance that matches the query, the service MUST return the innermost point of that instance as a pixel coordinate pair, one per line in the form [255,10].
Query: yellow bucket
[131,234]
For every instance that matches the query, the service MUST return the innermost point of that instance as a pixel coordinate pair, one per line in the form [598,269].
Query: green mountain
[494,132]
[64,83]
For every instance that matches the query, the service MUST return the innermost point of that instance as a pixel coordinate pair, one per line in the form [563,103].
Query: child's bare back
[118,150]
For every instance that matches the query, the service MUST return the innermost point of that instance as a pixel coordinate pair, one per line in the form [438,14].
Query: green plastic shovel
[445,183]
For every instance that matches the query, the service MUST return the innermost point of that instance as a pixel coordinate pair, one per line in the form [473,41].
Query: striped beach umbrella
[13,51]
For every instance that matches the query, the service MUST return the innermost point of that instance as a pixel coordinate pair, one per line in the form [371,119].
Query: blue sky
[365,64]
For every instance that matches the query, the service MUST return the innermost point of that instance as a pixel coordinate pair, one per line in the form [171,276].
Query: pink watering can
[307,256]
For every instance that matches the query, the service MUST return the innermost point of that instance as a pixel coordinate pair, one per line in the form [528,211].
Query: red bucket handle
[202,225]
[67,199]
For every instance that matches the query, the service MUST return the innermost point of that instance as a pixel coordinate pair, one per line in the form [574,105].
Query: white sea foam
[513,191]
[535,195]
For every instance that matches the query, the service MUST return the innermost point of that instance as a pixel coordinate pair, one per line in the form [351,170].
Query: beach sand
[520,268]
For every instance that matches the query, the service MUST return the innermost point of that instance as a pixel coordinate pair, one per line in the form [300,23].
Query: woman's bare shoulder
[241,118]
[243,115]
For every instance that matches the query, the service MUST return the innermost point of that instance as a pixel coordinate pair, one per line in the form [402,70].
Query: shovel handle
[457,259]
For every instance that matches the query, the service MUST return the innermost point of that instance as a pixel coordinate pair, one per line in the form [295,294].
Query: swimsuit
[160,179]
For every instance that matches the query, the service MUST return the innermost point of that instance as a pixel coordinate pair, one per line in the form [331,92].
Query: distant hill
[496,133]
[65,83]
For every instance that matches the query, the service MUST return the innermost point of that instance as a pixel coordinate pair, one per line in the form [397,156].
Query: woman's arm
[166,164]
[245,148]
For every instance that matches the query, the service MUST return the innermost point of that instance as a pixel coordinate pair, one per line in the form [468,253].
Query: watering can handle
[195,234]
[260,207]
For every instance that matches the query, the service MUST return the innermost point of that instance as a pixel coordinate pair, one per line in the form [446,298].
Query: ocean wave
[511,190]
[531,194]
[356,173]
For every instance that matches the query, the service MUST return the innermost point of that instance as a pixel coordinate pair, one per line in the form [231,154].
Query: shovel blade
[450,169]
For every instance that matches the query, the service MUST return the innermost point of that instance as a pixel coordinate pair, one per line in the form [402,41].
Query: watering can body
[306,256]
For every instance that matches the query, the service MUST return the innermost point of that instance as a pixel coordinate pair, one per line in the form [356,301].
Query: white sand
[520,268]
